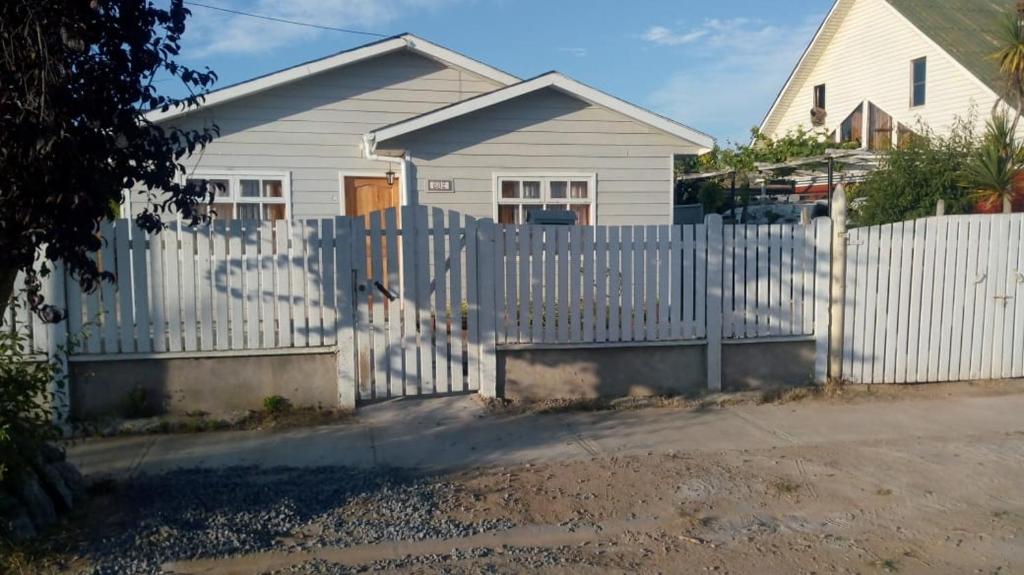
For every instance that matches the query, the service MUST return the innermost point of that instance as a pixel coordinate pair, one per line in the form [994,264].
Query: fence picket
[140,288]
[903,326]
[282,285]
[236,286]
[614,304]
[589,287]
[251,261]
[125,315]
[894,252]
[410,312]
[508,303]
[205,290]
[1010,277]
[222,286]
[189,329]
[312,272]
[376,308]
[523,259]
[348,377]
[456,336]
[676,294]
[651,283]
[473,339]
[441,341]
[326,277]
[267,304]
[537,283]
[640,283]
[700,273]
[172,292]
[627,284]
[787,299]
[395,358]
[946,311]
[361,311]
[751,283]
[728,281]
[1017,369]
[428,381]
[574,308]
[601,273]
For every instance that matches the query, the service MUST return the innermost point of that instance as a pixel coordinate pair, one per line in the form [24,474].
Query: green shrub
[26,399]
[914,177]
[275,404]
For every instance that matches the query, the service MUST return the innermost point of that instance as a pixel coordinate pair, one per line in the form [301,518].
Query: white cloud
[213,32]
[578,52]
[726,82]
[665,37]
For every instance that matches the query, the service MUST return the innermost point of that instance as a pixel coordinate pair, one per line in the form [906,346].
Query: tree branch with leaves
[76,81]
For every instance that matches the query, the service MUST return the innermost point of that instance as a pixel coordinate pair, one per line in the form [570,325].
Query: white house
[405,121]
[875,68]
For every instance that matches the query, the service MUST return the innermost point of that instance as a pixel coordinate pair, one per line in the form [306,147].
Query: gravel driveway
[928,498]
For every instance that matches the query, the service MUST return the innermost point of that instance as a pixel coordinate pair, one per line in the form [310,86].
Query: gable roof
[963,29]
[547,80]
[344,58]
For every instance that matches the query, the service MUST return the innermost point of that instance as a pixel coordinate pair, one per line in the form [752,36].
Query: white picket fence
[234,286]
[935,299]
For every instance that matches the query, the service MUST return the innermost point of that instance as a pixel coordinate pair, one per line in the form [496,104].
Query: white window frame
[235,186]
[545,179]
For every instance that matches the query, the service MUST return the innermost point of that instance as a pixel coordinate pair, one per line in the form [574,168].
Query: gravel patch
[206,513]
[481,559]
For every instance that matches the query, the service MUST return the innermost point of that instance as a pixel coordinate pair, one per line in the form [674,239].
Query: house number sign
[439,185]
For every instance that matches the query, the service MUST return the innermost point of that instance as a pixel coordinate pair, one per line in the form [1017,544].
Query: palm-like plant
[996,163]
[1011,59]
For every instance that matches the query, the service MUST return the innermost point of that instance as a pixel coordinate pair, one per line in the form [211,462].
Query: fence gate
[936,299]
[409,321]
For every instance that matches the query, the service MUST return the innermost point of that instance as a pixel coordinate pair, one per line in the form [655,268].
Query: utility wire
[283,21]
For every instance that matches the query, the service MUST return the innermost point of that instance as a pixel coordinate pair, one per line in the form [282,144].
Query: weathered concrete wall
[539,374]
[767,365]
[213,384]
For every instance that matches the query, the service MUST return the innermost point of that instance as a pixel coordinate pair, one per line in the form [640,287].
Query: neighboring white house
[404,121]
[876,68]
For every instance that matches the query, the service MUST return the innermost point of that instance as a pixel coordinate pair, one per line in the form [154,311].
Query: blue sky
[715,66]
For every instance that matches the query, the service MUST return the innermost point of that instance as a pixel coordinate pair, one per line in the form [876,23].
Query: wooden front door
[364,195]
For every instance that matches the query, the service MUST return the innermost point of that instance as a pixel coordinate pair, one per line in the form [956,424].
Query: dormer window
[918,82]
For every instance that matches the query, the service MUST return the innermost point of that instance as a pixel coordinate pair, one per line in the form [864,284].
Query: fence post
[345,336]
[486,258]
[714,301]
[822,288]
[940,207]
[837,293]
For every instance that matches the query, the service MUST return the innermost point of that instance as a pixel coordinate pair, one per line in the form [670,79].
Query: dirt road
[908,506]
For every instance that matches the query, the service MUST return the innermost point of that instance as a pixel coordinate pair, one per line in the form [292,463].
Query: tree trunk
[7,277]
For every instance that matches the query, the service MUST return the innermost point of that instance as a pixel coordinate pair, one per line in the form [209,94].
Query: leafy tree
[914,176]
[76,79]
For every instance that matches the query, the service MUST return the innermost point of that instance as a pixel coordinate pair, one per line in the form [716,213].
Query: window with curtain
[518,196]
[248,196]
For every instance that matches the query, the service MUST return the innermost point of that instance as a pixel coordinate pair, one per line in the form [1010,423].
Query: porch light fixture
[390,175]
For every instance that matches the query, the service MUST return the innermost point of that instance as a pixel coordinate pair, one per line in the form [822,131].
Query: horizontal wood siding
[869,59]
[548,132]
[313,127]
